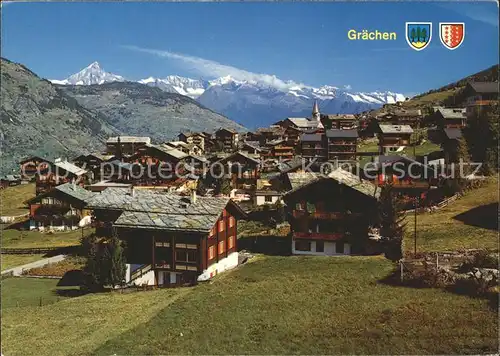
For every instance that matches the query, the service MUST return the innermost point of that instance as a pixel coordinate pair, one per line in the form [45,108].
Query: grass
[9,261]
[13,199]
[443,231]
[27,292]
[421,150]
[431,99]
[12,238]
[272,305]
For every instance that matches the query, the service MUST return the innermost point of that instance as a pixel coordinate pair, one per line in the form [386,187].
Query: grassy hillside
[13,199]
[470,222]
[272,305]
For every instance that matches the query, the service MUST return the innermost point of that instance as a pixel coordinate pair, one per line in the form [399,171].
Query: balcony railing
[318,235]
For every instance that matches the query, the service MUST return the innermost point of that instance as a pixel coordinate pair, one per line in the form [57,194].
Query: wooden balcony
[318,235]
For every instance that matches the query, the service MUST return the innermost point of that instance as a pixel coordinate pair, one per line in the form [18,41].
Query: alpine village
[341,219]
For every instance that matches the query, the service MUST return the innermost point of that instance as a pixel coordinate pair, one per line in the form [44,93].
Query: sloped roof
[342,133]
[453,133]
[129,139]
[484,87]
[161,210]
[243,154]
[452,113]
[69,167]
[395,128]
[74,191]
[311,137]
[293,163]
[341,117]
[173,152]
[301,180]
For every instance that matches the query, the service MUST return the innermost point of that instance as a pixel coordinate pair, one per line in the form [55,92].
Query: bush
[481,259]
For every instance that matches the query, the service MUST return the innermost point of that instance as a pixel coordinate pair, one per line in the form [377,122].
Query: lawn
[272,305]
[13,199]
[19,293]
[9,261]
[469,222]
[12,238]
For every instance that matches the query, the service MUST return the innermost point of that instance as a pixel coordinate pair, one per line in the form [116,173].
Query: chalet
[105,184]
[450,144]
[342,144]
[252,147]
[92,163]
[341,121]
[292,135]
[170,239]
[242,169]
[449,117]
[195,138]
[266,197]
[279,149]
[331,215]
[303,123]
[267,134]
[481,93]
[61,208]
[125,145]
[187,148]
[160,164]
[404,173]
[30,166]
[392,138]
[314,147]
[401,116]
[59,172]
[226,139]
[10,180]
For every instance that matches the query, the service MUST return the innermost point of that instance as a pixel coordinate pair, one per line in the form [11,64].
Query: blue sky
[303,42]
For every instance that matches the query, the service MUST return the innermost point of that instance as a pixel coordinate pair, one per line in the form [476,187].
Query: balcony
[333,236]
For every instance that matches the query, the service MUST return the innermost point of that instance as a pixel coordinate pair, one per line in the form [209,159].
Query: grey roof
[267,192]
[453,133]
[293,163]
[452,113]
[10,178]
[173,152]
[339,175]
[275,142]
[122,165]
[129,139]
[341,117]
[311,137]
[160,210]
[302,122]
[75,191]
[342,133]
[395,128]
[243,154]
[69,167]
[253,144]
[484,87]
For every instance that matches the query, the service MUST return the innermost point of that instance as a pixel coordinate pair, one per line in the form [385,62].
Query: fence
[29,251]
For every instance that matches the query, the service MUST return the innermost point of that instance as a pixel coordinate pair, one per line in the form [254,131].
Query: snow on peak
[92,74]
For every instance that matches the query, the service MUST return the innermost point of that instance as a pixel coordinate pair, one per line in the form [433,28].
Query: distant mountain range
[250,103]
[40,118]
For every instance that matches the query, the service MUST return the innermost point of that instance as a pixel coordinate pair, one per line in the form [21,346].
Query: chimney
[73,184]
[193,196]
[132,191]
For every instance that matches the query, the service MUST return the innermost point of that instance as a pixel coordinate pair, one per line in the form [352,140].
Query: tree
[424,35]
[418,34]
[413,35]
[201,189]
[115,260]
[392,225]
[225,187]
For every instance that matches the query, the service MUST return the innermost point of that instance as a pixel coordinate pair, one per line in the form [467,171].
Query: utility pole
[415,228]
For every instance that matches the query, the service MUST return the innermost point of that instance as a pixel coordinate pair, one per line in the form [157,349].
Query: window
[211,252]
[302,245]
[221,247]
[212,232]
[221,225]
[320,246]
[339,247]
[162,244]
[231,221]
[185,256]
[189,246]
[268,199]
[230,242]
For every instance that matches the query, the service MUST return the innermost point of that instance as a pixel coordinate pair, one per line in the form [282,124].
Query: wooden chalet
[402,116]
[331,215]
[61,208]
[187,148]
[226,139]
[450,143]
[314,147]
[449,118]
[266,134]
[59,172]
[195,138]
[125,145]
[10,180]
[93,163]
[279,149]
[170,239]
[266,197]
[392,137]
[342,144]
[480,93]
[30,166]
[252,148]
[242,169]
[341,121]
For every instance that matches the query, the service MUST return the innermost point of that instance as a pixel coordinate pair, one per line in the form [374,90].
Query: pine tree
[115,259]
[392,223]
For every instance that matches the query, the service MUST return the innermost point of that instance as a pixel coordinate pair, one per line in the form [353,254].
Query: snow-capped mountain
[252,103]
[93,74]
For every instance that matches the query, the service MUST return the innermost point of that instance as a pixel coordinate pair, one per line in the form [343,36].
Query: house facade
[392,138]
[226,139]
[170,239]
[58,172]
[342,144]
[331,215]
[125,145]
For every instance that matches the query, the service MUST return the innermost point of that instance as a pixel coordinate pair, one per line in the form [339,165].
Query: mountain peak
[94,65]
[92,74]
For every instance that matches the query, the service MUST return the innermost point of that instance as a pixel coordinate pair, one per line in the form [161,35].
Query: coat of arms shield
[452,34]
[418,34]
